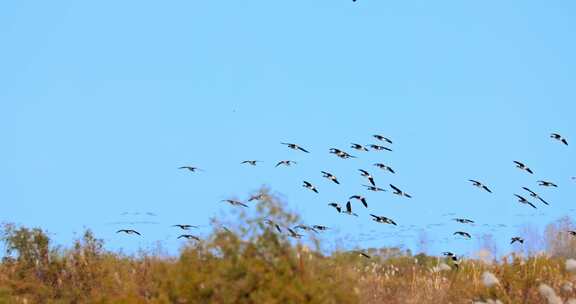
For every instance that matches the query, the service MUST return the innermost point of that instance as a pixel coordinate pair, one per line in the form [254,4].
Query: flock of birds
[382,145]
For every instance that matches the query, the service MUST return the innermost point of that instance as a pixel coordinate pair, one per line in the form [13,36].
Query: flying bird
[448,254]
[384,167]
[463,234]
[190,168]
[559,138]
[479,185]
[258,197]
[399,192]
[320,227]
[340,153]
[128,231]
[310,186]
[361,199]
[516,239]
[306,228]
[349,209]
[272,223]
[380,148]
[357,251]
[368,176]
[295,147]
[382,138]
[189,237]
[234,203]
[330,176]
[374,188]
[336,206]
[383,219]
[286,163]
[523,200]
[184,226]
[522,166]
[547,184]
[294,234]
[464,221]
[359,147]
[251,162]
[535,195]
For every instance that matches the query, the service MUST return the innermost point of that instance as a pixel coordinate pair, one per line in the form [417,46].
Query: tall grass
[255,264]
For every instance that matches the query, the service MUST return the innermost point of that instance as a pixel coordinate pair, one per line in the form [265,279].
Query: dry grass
[256,265]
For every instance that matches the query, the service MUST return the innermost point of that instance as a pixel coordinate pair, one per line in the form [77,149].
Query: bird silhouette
[384,167]
[272,223]
[286,163]
[367,175]
[480,185]
[128,231]
[235,203]
[516,239]
[464,221]
[190,168]
[340,153]
[184,226]
[463,234]
[330,176]
[382,138]
[380,148]
[399,192]
[251,162]
[310,186]
[383,219]
[523,200]
[359,147]
[544,183]
[295,147]
[362,199]
[336,206]
[349,209]
[559,138]
[535,195]
[522,166]
[189,237]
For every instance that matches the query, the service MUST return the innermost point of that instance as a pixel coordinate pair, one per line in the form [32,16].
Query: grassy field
[255,264]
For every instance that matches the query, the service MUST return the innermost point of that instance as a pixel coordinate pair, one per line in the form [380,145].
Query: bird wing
[395,188]
[302,149]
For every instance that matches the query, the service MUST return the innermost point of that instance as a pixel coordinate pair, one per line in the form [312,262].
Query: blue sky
[101,102]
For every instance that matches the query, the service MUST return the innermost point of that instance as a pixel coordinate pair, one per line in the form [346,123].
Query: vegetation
[254,264]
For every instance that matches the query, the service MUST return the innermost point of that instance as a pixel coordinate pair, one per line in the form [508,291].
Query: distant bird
[258,197]
[235,203]
[397,191]
[448,254]
[251,162]
[368,176]
[361,199]
[341,154]
[306,228]
[320,227]
[357,251]
[374,188]
[272,223]
[559,138]
[380,148]
[463,234]
[516,239]
[190,168]
[294,234]
[336,206]
[189,237]
[310,186]
[349,209]
[384,167]
[382,138]
[479,185]
[523,200]
[330,176]
[522,166]
[128,231]
[572,232]
[184,226]
[535,195]
[547,184]
[286,163]
[359,147]
[464,221]
[383,219]
[295,147]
